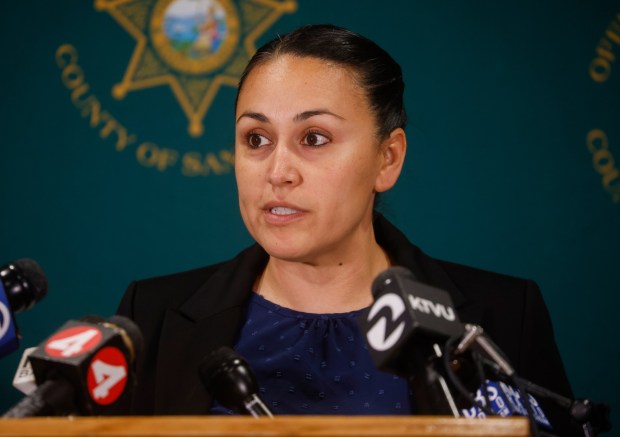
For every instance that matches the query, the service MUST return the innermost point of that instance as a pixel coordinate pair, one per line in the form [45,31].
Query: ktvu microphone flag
[118,147]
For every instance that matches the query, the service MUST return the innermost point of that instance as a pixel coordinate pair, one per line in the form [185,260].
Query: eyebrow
[299,117]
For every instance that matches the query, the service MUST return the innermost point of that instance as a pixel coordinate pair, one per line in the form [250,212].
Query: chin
[285,253]
[286,250]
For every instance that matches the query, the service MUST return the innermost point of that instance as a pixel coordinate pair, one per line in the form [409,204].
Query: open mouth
[280,210]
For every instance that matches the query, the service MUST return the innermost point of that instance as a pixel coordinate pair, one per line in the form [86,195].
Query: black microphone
[24,379]
[410,329]
[404,329]
[22,284]
[84,368]
[229,379]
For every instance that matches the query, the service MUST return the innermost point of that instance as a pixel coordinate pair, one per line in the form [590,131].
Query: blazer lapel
[183,345]
[435,275]
[211,318]
[425,268]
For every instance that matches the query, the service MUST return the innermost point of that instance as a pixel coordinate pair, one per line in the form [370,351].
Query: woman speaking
[319,134]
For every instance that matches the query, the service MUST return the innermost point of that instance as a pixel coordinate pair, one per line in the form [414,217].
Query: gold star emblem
[193,46]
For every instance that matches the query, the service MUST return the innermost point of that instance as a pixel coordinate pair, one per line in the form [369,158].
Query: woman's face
[307,160]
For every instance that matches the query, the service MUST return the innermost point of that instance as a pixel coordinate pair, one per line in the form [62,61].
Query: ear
[393,151]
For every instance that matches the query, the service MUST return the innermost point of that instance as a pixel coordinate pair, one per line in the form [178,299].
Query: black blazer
[186,315]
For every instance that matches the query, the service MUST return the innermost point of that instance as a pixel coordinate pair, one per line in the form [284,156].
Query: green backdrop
[117,141]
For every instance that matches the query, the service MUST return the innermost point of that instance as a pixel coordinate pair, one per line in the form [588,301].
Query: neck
[326,287]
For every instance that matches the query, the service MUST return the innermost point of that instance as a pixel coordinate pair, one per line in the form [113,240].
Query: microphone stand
[432,393]
[592,417]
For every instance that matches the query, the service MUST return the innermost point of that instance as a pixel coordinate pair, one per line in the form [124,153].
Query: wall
[116,155]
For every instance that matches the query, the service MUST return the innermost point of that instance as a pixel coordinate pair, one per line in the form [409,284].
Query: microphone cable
[457,383]
[478,361]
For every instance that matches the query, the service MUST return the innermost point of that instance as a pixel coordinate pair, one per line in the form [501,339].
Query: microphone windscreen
[132,330]
[32,270]
[228,378]
[219,360]
[92,318]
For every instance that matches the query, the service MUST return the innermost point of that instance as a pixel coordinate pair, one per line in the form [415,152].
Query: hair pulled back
[377,73]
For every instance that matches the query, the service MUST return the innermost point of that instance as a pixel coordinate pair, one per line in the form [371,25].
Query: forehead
[290,81]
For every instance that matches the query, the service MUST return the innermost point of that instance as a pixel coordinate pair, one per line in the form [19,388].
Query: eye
[315,139]
[256,141]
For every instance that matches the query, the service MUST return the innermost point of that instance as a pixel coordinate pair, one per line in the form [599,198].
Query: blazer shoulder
[156,294]
[183,283]
[480,284]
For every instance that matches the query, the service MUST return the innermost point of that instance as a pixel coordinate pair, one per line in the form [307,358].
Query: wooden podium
[353,426]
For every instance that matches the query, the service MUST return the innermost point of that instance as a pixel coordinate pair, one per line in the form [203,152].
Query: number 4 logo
[73,341]
[107,375]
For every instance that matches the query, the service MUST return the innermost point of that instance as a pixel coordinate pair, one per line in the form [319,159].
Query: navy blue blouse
[315,364]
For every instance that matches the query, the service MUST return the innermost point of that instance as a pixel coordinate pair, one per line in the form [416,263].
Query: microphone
[475,337]
[229,379]
[410,328]
[84,368]
[404,328]
[22,284]
[24,380]
[505,400]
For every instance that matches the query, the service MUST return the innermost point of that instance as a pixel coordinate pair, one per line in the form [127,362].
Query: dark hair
[378,74]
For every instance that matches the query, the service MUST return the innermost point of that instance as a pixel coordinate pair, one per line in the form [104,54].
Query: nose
[284,168]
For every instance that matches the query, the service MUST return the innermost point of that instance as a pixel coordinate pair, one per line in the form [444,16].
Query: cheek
[244,180]
[245,200]
[358,172]
[346,184]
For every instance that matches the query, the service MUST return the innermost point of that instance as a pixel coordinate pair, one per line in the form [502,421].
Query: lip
[287,217]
